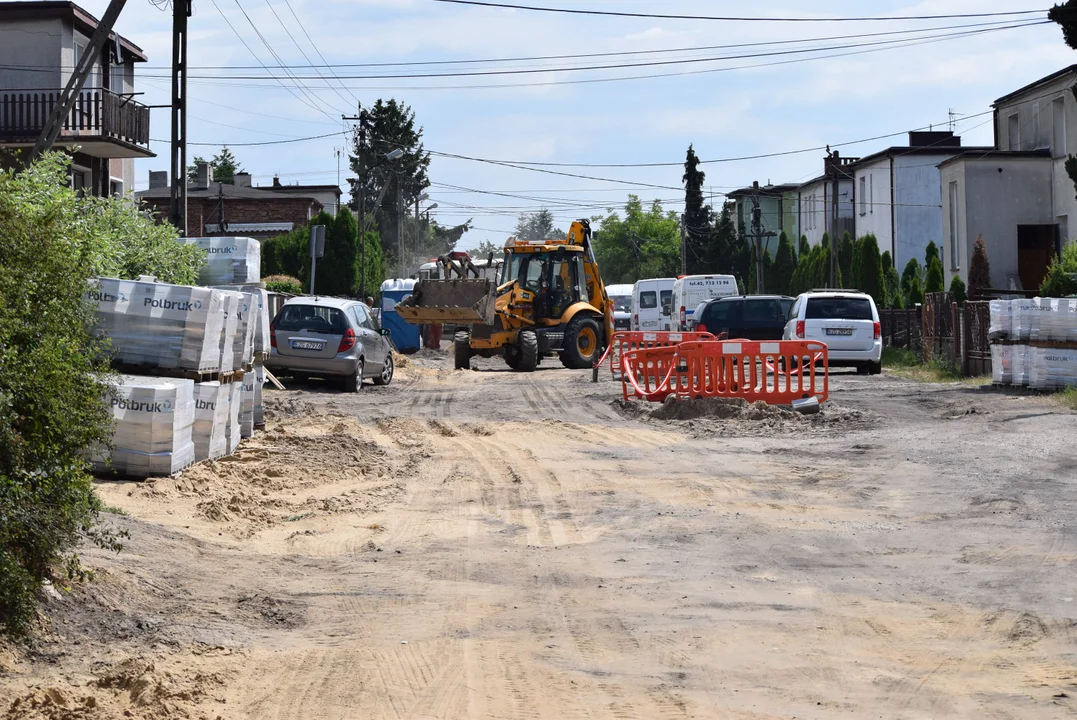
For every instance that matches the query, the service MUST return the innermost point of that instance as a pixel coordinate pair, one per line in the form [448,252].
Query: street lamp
[392,155]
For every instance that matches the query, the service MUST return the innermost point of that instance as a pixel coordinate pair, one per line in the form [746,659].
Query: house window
[954,263]
[871,193]
[93,81]
[1013,131]
[115,187]
[80,180]
[863,196]
[116,80]
[1058,113]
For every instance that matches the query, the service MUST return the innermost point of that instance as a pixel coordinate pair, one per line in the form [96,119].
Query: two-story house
[1017,196]
[40,43]
[778,213]
[818,205]
[899,197]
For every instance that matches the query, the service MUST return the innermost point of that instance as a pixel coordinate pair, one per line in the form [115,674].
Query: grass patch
[909,364]
[113,510]
[901,357]
[1066,398]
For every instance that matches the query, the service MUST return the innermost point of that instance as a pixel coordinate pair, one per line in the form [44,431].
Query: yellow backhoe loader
[550,300]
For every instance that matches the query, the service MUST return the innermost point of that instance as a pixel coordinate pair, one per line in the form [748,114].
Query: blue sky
[725,114]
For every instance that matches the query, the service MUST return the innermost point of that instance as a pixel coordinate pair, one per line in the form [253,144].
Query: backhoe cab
[550,301]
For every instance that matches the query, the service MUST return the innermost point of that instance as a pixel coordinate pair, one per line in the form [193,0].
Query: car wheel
[354,383]
[863,369]
[876,368]
[386,375]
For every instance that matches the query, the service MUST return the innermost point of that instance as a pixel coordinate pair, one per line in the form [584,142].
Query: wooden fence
[901,329]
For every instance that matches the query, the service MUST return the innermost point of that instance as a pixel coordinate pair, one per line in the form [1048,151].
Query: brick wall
[202,210]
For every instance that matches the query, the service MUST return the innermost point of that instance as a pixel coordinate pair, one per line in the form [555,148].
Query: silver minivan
[330,338]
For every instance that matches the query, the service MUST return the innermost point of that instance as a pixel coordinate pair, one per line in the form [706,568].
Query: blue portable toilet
[405,337]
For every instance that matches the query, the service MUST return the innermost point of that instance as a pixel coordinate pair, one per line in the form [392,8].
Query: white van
[651,303]
[691,290]
[621,299]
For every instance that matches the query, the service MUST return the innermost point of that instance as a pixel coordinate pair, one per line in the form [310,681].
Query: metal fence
[901,329]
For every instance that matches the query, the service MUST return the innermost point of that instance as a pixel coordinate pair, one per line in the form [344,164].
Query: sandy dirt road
[495,545]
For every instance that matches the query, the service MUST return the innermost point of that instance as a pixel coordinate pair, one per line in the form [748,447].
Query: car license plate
[839,331]
[307,344]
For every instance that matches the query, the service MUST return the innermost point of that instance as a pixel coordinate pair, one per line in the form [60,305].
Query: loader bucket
[460,302]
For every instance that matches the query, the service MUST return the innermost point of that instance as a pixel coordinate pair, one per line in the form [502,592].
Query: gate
[938,326]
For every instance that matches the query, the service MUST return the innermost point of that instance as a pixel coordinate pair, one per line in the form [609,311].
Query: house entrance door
[1036,245]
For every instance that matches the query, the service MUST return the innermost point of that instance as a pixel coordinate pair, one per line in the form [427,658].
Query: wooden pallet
[231,376]
[1051,344]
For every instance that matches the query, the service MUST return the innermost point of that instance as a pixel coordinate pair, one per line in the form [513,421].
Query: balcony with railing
[102,123]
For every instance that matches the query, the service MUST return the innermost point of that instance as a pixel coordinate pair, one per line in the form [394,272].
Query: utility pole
[70,95]
[181,10]
[360,230]
[400,224]
[757,233]
[835,244]
[684,248]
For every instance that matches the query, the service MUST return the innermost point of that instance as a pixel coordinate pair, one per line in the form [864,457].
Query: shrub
[1061,278]
[867,270]
[933,281]
[52,377]
[915,295]
[932,253]
[283,284]
[979,270]
[957,290]
[784,266]
[911,271]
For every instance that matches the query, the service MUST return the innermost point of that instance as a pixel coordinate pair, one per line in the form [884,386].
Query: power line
[317,49]
[302,51]
[255,144]
[614,13]
[880,44]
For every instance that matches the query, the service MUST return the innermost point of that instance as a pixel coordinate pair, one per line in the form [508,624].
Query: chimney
[937,138]
[204,177]
[276,181]
[158,179]
[242,179]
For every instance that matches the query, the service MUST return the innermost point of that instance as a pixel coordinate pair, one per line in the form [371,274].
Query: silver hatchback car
[330,338]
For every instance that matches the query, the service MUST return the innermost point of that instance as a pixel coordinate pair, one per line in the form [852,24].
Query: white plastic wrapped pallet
[229,260]
[1002,364]
[229,360]
[153,421]
[1022,312]
[259,384]
[160,325]
[1022,364]
[1043,320]
[233,396]
[246,406]
[1001,314]
[1053,368]
[210,420]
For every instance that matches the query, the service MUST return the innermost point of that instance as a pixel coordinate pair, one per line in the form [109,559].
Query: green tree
[288,254]
[388,126]
[979,270]
[485,248]
[846,255]
[891,282]
[538,226]
[642,244]
[934,279]
[911,272]
[1061,278]
[698,217]
[932,252]
[785,266]
[225,167]
[374,264]
[53,373]
[915,294]
[957,290]
[1066,16]
[804,248]
[869,277]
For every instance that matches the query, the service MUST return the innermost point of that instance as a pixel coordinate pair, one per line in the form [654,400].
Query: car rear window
[761,312]
[838,308]
[720,314]
[621,303]
[648,300]
[313,318]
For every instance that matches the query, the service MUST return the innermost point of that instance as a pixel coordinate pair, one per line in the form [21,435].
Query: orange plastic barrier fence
[776,372]
[623,342]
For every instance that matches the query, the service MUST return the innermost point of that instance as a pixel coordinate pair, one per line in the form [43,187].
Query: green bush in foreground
[52,375]
[284,284]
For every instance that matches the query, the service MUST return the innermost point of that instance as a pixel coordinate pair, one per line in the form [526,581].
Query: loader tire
[462,351]
[582,343]
[528,356]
